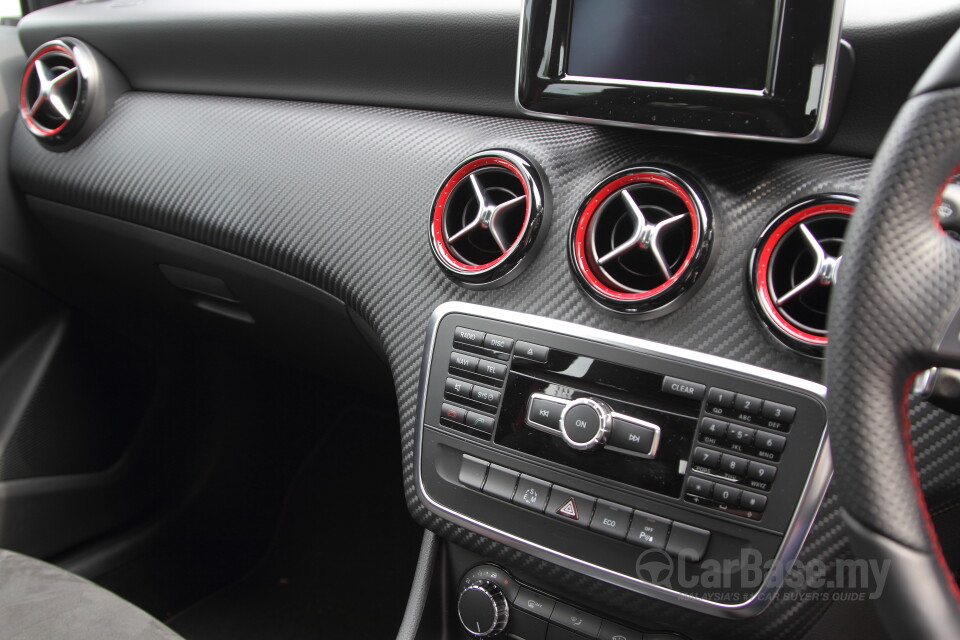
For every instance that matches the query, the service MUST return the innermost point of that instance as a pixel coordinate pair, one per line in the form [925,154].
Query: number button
[761,472]
[706,457]
[747,404]
[732,464]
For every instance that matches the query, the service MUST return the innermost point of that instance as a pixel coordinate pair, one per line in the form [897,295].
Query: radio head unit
[739,68]
[612,456]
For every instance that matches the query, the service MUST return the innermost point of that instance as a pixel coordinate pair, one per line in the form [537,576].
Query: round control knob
[585,424]
[483,609]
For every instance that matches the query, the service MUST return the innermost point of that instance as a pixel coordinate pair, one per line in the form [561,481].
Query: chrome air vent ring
[65,93]
[793,267]
[641,241]
[487,218]
[52,90]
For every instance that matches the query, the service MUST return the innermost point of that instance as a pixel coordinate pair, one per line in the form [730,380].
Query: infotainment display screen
[728,44]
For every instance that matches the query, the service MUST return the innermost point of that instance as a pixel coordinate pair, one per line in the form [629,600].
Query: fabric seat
[39,601]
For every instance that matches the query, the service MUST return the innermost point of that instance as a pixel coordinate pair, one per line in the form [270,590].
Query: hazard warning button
[571,506]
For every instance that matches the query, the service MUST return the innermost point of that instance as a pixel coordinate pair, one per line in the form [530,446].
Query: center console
[674,474]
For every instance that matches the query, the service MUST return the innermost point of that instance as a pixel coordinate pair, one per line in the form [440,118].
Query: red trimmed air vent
[50,92]
[487,217]
[641,240]
[66,92]
[793,267]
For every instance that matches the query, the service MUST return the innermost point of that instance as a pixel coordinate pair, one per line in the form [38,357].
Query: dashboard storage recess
[618,457]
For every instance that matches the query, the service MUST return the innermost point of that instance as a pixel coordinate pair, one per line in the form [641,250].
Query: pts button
[683,388]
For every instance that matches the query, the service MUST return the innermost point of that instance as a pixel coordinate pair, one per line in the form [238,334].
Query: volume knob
[483,609]
[585,424]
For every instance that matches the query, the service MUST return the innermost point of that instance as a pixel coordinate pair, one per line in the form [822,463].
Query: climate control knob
[483,609]
[585,424]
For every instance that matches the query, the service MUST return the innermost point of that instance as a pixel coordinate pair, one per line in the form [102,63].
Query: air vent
[51,90]
[793,267]
[487,218]
[641,241]
[66,91]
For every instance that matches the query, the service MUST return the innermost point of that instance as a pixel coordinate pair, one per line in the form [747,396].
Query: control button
[761,472]
[747,404]
[683,388]
[468,336]
[633,436]
[713,428]
[779,412]
[473,472]
[611,519]
[773,442]
[489,396]
[687,543]
[492,369]
[523,626]
[720,398]
[534,352]
[453,413]
[480,421]
[501,482]
[753,501]
[536,603]
[699,486]
[556,632]
[463,362]
[733,464]
[498,343]
[740,435]
[611,631]
[706,457]
[727,495]
[648,531]
[532,493]
[585,424]
[545,412]
[571,506]
[458,387]
[575,620]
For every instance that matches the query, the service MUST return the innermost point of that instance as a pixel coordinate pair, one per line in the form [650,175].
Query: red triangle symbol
[569,510]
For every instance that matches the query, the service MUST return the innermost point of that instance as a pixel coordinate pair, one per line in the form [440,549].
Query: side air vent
[793,267]
[641,240]
[487,218]
[66,91]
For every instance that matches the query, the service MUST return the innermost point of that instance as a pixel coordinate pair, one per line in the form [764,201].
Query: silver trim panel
[816,485]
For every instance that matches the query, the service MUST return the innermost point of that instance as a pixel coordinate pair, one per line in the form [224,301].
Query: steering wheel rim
[895,302]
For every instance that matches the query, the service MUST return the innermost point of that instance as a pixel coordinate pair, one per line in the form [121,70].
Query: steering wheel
[895,311]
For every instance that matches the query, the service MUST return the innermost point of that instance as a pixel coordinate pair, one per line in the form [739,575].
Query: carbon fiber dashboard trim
[269,188]
[816,483]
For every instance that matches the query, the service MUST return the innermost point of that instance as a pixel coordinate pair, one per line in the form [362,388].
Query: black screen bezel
[810,31]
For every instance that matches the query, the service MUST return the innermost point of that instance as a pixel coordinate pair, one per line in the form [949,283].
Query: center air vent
[487,218]
[794,266]
[641,241]
[66,91]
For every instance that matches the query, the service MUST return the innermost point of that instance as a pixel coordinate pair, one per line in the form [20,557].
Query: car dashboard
[372,190]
